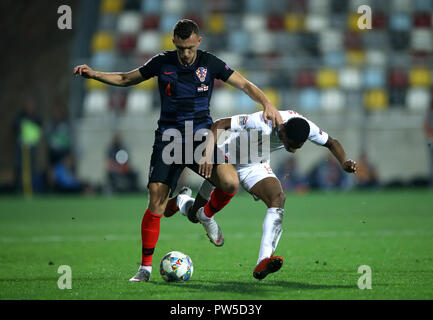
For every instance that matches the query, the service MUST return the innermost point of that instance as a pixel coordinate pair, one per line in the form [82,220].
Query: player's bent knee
[230,184]
[278,200]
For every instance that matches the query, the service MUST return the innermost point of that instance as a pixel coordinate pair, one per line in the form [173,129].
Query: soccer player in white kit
[255,173]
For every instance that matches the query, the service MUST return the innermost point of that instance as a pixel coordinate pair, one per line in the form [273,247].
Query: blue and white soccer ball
[176,266]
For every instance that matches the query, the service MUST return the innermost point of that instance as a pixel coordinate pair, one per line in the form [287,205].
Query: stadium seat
[309,99]
[294,22]
[167,22]
[275,22]
[149,42]
[150,22]
[255,6]
[129,22]
[397,98]
[96,103]
[352,22]
[223,102]
[151,6]
[376,58]
[234,59]
[262,42]
[102,41]
[107,22]
[111,6]
[401,5]
[397,78]
[330,40]
[139,102]
[173,7]
[338,6]
[422,20]
[373,78]
[418,99]
[400,21]
[149,85]
[355,57]
[253,22]
[375,99]
[117,100]
[377,40]
[305,78]
[353,41]
[332,100]
[310,43]
[103,61]
[423,5]
[131,5]
[316,23]
[350,79]
[167,41]
[379,20]
[127,43]
[327,78]
[91,84]
[420,77]
[319,7]
[421,40]
[334,59]
[273,96]
[239,41]
[244,103]
[215,23]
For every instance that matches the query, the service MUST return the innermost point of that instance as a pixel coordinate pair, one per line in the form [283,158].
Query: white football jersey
[248,123]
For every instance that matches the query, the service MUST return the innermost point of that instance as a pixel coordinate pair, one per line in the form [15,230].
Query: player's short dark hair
[297,129]
[184,28]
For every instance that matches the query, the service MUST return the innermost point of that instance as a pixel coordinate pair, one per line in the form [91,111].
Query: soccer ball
[176,266]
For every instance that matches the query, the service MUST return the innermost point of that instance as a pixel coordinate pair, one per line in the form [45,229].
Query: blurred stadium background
[370,89]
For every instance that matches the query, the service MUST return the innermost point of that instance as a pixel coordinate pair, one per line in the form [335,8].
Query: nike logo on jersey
[165,72]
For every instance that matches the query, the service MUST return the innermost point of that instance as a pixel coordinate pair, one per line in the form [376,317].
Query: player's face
[289,144]
[187,48]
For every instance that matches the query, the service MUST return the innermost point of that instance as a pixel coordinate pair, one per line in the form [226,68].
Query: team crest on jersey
[201,73]
[243,120]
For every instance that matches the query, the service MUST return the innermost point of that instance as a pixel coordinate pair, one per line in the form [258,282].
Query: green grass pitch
[326,237]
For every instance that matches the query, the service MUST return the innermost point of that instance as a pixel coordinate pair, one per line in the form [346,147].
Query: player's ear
[199,41]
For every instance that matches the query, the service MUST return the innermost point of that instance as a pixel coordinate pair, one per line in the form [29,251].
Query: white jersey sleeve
[316,135]
[251,121]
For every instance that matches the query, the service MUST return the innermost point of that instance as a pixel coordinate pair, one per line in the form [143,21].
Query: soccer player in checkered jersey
[257,177]
[185,81]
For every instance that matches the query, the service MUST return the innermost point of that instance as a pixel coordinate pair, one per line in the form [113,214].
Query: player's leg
[162,179]
[270,192]
[226,182]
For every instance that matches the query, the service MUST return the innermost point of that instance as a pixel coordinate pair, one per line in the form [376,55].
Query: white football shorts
[250,174]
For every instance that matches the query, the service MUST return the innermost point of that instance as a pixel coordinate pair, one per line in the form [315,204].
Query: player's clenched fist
[84,70]
[350,166]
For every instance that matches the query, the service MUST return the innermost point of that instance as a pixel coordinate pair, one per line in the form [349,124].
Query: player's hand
[205,169]
[271,113]
[84,70]
[350,166]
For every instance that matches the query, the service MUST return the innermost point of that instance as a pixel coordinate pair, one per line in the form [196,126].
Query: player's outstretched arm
[121,79]
[337,150]
[269,111]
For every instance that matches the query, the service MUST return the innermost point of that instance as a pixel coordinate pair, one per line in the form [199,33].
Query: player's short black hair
[184,28]
[297,129]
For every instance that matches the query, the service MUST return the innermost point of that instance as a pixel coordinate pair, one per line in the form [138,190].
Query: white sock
[272,229]
[147,268]
[184,202]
